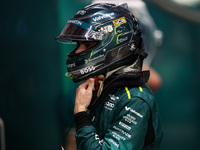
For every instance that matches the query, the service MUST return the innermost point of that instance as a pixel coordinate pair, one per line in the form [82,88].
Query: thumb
[91,84]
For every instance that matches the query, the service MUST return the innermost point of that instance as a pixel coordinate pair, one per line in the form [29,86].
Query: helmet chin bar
[115,58]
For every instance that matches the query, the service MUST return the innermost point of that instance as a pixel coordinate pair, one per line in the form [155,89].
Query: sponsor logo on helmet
[93,59]
[107,29]
[71,65]
[122,40]
[119,21]
[76,22]
[81,12]
[87,69]
[103,16]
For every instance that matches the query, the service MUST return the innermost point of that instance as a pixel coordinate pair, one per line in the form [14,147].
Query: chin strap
[99,82]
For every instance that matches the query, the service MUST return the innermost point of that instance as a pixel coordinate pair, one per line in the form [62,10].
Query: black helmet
[117,34]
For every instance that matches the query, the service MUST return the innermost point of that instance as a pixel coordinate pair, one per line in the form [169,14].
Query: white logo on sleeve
[130,119]
[124,125]
[98,139]
[114,143]
[133,111]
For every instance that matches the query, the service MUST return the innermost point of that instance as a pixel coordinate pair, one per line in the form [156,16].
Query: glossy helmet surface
[117,33]
[151,35]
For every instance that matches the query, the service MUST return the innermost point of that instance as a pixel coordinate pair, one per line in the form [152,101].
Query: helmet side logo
[103,16]
[81,12]
[75,21]
[107,29]
[119,21]
[71,65]
[87,69]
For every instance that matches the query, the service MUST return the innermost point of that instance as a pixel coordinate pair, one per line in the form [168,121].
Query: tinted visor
[79,30]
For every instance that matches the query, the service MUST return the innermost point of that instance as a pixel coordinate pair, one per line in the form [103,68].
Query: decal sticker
[113,97]
[87,69]
[124,125]
[122,40]
[91,54]
[119,21]
[68,75]
[97,138]
[130,119]
[122,131]
[114,143]
[133,111]
[93,59]
[76,22]
[109,104]
[103,16]
[81,12]
[71,65]
[117,136]
[107,29]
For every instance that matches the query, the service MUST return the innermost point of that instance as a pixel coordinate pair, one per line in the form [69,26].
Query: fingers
[87,84]
[91,84]
[83,95]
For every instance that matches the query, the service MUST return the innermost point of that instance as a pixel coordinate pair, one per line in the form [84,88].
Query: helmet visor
[78,30]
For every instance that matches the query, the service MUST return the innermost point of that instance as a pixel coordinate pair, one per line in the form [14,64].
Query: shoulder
[137,95]
[129,101]
[143,92]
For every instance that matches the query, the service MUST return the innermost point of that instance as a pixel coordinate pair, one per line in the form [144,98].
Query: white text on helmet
[75,22]
[71,65]
[103,16]
[87,69]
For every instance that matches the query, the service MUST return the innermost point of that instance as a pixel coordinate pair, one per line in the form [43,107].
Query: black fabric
[81,119]
[126,79]
[141,52]
[150,136]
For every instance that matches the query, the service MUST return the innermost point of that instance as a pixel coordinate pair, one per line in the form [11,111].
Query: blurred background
[36,99]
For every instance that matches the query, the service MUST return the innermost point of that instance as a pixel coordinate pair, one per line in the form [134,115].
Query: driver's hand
[83,95]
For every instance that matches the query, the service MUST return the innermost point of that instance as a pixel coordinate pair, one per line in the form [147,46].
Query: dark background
[36,99]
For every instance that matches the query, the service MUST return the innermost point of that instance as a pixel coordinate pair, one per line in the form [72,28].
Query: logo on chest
[110,104]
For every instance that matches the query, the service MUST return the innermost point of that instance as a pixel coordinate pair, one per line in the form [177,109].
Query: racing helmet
[152,36]
[116,33]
